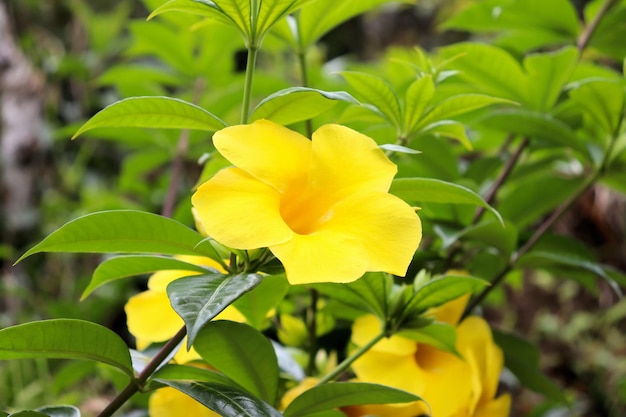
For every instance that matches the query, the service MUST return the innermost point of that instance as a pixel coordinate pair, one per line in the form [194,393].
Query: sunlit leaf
[298,103]
[118,231]
[341,394]
[65,338]
[199,298]
[457,105]
[449,129]
[153,112]
[226,401]
[241,353]
[127,266]
[376,92]
[417,97]
[429,190]
[547,74]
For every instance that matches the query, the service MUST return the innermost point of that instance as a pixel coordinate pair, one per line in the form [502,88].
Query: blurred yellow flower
[453,387]
[168,402]
[151,318]
[321,206]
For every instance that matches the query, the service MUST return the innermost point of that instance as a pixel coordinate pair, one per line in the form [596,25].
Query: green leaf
[370,293]
[522,358]
[449,129]
[271,11]
[321,16]
[175,372]
[298,103]
[536,125]
[417,97]
[340,394]
[603,103]
[490,69]
[60,411]
[241,353]
[153,112]
[256,304]
[28,413]
[116,231]
[443,289]
[376,92]
[457,105]
[199,298]
[226,401]
[127,266]
[547,74]
[441,336]
[197,7]
[429,190]
[65,338]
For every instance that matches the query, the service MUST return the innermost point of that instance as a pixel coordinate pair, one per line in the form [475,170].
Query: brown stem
[541,230]
[137,383]
[585,37]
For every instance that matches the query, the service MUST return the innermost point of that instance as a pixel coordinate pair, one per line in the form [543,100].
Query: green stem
[311,324]
[137,383]
[304,80]
[541,230]
[349,360]
[247,87]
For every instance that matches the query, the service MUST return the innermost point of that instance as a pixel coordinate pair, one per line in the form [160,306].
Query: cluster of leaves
[535,121]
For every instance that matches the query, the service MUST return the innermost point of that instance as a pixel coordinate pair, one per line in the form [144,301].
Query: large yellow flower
[453,387]
[321,206]
[151,318]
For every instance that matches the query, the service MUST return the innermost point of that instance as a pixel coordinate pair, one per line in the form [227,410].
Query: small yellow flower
[453,387]
[151,318]
[321,206]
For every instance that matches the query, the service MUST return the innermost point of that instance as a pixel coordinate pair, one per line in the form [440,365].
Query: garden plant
[331,237]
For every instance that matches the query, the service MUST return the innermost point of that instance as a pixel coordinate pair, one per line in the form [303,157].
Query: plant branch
[247,87]
[349,360]
[136,384]
[585,37]
[541,230]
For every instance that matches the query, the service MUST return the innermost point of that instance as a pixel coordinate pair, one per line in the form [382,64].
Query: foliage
[494,142]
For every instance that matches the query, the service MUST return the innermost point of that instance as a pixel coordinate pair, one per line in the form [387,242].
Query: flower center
[305,210]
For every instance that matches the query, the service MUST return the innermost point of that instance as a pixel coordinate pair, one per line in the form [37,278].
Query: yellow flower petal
[366,328]
[168,402]
[150,317]
[386,226]
[417,408]
[451,311]
[500,407]
[241,212]
[325,256]
[269,152]
[389,369]
[346,161]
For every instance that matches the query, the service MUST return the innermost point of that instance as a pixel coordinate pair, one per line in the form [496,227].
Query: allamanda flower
[453,387]
[151,318]
[321,206]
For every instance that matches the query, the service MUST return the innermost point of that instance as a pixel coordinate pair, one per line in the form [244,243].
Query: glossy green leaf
[226,401]
[256,304]
[375,92]
[65,338]
[175,372]
[417,97]
[440,290]
[439,335]
[60,411]
[536,125]
[340,394]
[127,266]
[547,74]
[490,69]
[205,8]
[429,190]
[298,103]
[28,413]
[116,231]
[319,17]
[449,129]
[457,105]
[241,353]
[153,112]
[271,11]
[522,358]
[199,298]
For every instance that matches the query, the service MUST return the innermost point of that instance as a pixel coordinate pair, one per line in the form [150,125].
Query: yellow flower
[151,318]
[321,206]
[453,387]
[168,402]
